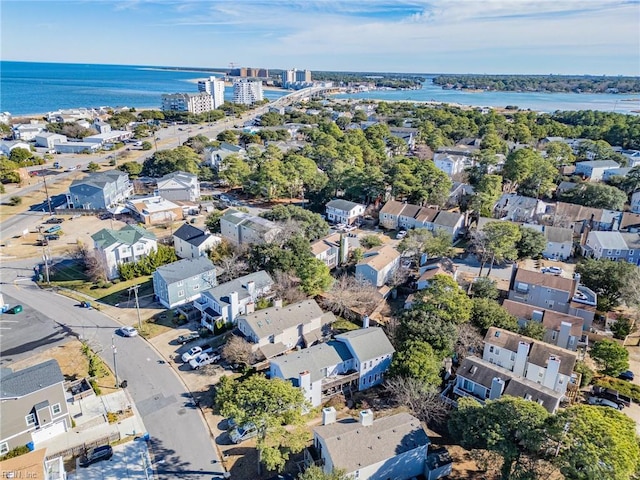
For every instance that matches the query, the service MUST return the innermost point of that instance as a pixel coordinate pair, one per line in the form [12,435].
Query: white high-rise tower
[214,86]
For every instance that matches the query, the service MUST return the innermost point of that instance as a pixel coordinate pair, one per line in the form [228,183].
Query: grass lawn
[341,325]
[118,292]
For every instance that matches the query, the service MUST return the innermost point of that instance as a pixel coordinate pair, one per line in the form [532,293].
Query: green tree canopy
[608,279]
[487,313]
[611,357]
[417,360]
[315,276]
[533,329]
[501,239]
[445,299]
[312,224]
[484,287]
[417,324]
[596,195]
[531,244]
[168,161]
[234,170]
[530,173]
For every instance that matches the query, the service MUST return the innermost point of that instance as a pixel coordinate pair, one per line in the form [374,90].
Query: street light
[115,365]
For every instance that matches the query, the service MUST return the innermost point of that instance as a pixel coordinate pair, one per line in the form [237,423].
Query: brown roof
[550,319]
[557,282]
[427,214]
[29,465]
[575,212]
[629,220]
[539,352]
[392,207]
[380,257]
[410,210]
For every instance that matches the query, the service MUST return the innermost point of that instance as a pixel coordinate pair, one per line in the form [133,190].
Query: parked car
[128,331]
[626,375]
[192,353]
[401,234]
[105,452]
[189,337]
[553,270]
[52,236]
[611,394]
[54,229]
[15,310]
[203,359]
[604,402]
[55,220]
[245,432]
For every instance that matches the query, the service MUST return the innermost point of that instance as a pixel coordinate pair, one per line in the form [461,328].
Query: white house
[192,242]
[595,169]
[278,329]
[348,363]
[378,265]
[6,147]
[451,164]
[559,241]
[334,249]
[129,244]
[154,210]
[215,155]
[49,139]
[243,228]
[633,157]
[450,222]
[344,211]
[28,131]
[392,447]
[223,304]
[179,186]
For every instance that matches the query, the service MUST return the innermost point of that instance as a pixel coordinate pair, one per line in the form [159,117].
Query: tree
[422,399]
[484,287]
[533,329]
[509,426]
[531,244]
[270,405]
[488,193]
[417,360]
[611,357]
[487,313]
[595,443]
[350,294]
[560,153]
[315,276]
[21,156]
[15,201]
[416,324]
[586,373]
[93,167]
[212,222]
[133,169]
[167,161]
[312,225]
[420,240]
[234,170]
[596,195]
[608,279]
[622,327]
[529,173]
[501,240]
[238,350]
[370,241]
[446,299]
[146,145]
[315,472]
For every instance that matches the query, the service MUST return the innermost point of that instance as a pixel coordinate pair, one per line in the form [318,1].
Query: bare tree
[288,229]
[423,400]
[238,350]
[470,341]
[350,294]
[287,287]
[233,266]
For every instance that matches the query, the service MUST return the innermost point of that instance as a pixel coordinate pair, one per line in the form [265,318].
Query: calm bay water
[30,88]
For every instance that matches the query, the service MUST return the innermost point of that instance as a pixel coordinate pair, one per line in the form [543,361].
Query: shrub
[112,417]
[587,373]
[107,285]
[15,200]
[625,388]
[16,452]
[96,388]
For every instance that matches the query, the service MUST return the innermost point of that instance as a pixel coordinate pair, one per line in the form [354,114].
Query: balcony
[334,384]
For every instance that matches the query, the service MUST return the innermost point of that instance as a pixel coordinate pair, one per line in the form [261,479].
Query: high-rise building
[214,86]
[295,76]
[187,102]
[247,92]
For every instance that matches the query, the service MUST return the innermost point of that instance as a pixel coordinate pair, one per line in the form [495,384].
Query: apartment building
[213,86]
[247,92]
[187,102]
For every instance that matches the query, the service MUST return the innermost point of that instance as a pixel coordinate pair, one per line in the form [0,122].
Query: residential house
[594,170]
[451,164]
[155,210]
[129,244]
[77,147]
[407,134]
[183,281]
[33,405]
[344,211]
[629,222]
[278,329]
[580,218]
[99,191]
[633,157]
[564,187]
[450,222]
[192,242]
[554,292]
[458,192]
[223,304]
[334,249]
[215,155]
[348,363]
[613,246]
[561,329]
[7,146]
[49,139]
[179,186]
[518,208]
[35,465]
[378,265]
[559,241]
[431,268]
[635,202]
[370,449]
[394,215]
[107,138]
[243,228]
[615,172]
[27,131]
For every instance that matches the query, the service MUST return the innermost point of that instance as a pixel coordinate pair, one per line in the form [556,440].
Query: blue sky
[426,36]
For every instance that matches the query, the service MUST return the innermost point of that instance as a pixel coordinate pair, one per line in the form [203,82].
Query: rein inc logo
[19,474]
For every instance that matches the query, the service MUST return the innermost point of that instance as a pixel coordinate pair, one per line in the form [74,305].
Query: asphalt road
[180,440]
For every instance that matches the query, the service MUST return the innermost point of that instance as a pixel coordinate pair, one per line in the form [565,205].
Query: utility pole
[45,258]
[135,293]
[46,191]
[115,365]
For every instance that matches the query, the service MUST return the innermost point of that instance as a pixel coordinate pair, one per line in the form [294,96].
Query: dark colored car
[105,452]
[627,375]
[52,236]
[189,337]
[55,220]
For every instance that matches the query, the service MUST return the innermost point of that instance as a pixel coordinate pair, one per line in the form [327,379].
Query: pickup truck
[611,394]
[203,359]
[189,337]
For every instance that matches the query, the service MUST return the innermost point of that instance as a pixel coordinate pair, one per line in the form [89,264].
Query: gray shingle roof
[29,380]
[183,269]
[274,320]
[261,279]
[447,219]
[367,343]
[313,360]
[352,446]
[344,205]
[100,179]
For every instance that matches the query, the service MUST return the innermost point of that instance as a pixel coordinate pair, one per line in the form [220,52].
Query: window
[56,409]
[467,385]
[491,349]
[180,283]
[630,252]
[513,356]
[4,448]
[196,287]
[181,293]
[30,419]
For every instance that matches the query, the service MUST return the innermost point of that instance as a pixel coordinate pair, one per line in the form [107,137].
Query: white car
[553,270]
[401,234]
[192,353]
[128,331]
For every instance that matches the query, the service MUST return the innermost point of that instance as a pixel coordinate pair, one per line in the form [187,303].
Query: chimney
[365,321]
[550,376]
[277,303]
[497,387]
[304,381]
[343,251]
[251,288]
[250,308]
[563,336]
[366,418]
[521,359]
[328,415]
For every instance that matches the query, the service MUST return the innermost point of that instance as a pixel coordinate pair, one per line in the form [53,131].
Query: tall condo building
[247,92]
[214,86]
[295,75]
[187,102]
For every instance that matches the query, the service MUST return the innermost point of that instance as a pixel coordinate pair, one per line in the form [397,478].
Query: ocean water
[539,102]
[34,88]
